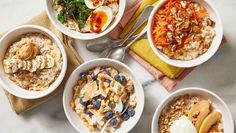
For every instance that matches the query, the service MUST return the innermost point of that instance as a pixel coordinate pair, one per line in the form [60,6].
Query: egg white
[89,4]
[108,12]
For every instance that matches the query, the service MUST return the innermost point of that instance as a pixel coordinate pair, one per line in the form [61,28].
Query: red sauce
[97,21]
[96,2]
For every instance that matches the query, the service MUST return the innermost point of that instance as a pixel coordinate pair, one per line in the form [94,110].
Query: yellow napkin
[20,105]
[143,49]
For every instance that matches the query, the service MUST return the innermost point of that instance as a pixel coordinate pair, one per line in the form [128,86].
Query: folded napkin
[169,76]
[20,105]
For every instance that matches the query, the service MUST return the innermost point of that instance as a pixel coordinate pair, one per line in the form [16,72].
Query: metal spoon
[103,43]
[119,53]
[105,53]
[144,16]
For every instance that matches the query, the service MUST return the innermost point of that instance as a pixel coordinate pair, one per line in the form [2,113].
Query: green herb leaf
[62,17]
[74,9]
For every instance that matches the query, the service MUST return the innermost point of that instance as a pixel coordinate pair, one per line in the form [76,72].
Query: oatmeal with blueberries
[100,94]
[190,114]
[33,62]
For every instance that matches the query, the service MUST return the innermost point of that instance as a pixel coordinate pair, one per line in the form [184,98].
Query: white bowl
[74,118]
[218,104]
[10,37]
[201,59]
[83,36]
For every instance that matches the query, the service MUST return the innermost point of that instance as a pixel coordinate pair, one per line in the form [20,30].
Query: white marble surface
[217,75]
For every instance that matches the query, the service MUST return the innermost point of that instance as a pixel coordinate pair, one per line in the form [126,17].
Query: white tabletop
[217,75]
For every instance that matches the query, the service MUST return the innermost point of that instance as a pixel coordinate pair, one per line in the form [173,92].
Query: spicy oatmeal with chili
[33,62]
[183,29]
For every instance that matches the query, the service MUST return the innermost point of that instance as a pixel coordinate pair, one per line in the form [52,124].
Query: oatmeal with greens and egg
[102,93]
[86,16]
[183,29]
[190,114]
[33,62]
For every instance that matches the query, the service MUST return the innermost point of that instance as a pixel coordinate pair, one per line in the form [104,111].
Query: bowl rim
[76,34]
[170,97]
[61,76]
[194,62]
[106,60]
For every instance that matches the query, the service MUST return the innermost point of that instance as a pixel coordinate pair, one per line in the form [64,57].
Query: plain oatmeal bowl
[192,110]
[99,90]
[185,33]
[33,61]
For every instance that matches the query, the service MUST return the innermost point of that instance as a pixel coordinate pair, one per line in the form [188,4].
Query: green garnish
[73,9]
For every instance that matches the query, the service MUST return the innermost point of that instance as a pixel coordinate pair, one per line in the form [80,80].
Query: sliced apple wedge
[209,121]
[199,112]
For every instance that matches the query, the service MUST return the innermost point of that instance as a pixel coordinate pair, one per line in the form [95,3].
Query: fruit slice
[49,61]
[56,55]
[209,121]
[199,112]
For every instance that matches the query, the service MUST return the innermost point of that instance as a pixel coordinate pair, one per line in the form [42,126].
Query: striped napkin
[169,76]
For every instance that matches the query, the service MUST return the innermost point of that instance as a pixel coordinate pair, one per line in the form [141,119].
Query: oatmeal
[100,94]
[33,62]
[86,16]
[198,111]
[183,29]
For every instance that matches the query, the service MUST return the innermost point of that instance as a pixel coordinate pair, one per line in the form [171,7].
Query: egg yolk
[97,21]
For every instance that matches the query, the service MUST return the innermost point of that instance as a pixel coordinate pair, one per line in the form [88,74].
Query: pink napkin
[115,33]
[168,83]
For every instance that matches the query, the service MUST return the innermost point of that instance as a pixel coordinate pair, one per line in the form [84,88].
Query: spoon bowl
[118,53]
[101,44]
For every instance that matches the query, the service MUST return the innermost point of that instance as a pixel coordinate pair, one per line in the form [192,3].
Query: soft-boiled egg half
[100,19]
[93,4]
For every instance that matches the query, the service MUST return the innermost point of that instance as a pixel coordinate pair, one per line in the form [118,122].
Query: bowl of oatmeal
[192,110]
[99,90]
[33,61]
[185,33]
[85,19]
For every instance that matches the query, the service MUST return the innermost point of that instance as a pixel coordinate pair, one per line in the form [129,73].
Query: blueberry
[110,105]
[131,111]
[94,77]
[83,75]
[108,114]
[113,121]
[121,79]
[106,72]
[117,77]
[126,117]
[84,103]
[108,81]
[97,82]
[88,112]
[96,104]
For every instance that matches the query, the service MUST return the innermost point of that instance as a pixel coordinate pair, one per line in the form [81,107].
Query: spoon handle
[144,31]
[143,18]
